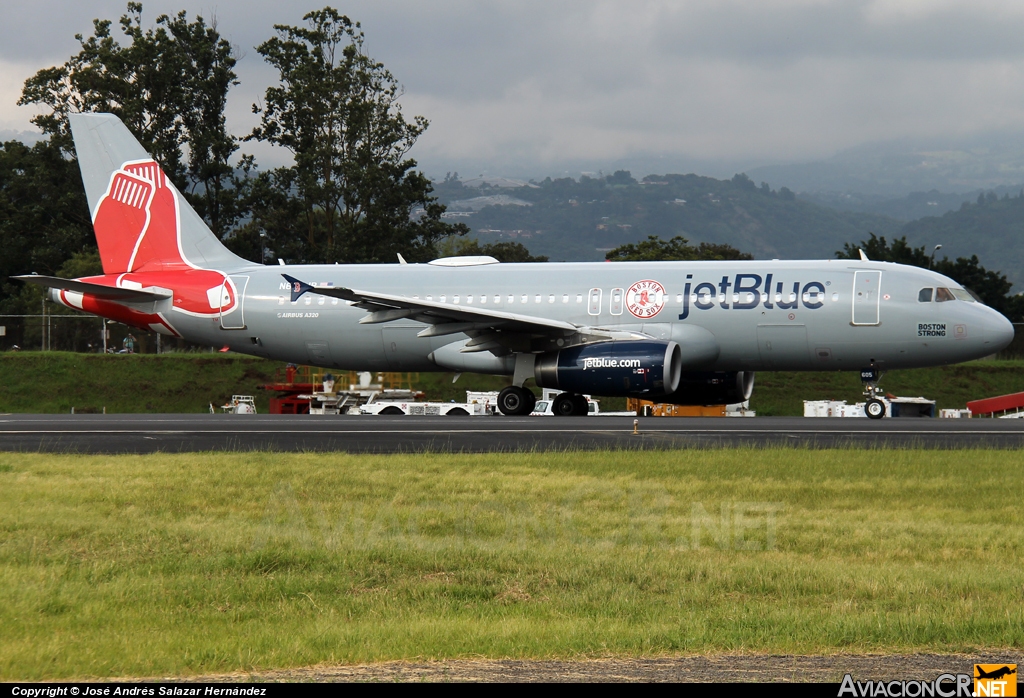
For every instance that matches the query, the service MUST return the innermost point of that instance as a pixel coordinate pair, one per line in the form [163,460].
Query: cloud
[520,81]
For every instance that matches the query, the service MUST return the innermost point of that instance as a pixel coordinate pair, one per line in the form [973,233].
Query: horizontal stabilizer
[112,293]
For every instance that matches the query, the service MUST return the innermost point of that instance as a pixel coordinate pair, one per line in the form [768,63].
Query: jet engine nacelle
[615,368]
[712,388]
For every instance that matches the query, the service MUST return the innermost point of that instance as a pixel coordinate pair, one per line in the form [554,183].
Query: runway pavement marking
[503,431]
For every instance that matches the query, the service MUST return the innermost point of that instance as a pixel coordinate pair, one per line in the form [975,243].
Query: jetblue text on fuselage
[748,291]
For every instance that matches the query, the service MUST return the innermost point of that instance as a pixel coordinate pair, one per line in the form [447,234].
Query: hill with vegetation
[570,220]
[919,204]
[991,227]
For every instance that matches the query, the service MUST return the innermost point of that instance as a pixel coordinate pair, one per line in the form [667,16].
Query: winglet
[863,257]
[401,259]
[298,287]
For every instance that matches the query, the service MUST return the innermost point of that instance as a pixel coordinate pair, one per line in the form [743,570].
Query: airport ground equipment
[240,404]
[891,406]
[353,400]
[310,390]
[647,408]
[1002,405]
[477,404]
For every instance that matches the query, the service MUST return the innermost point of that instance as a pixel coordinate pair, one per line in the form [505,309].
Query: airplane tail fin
[142,223]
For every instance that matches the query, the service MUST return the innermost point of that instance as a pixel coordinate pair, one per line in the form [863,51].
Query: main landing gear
[569,405]
[515,402]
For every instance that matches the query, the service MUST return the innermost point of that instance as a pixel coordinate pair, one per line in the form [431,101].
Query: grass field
[179,564]
[53,382]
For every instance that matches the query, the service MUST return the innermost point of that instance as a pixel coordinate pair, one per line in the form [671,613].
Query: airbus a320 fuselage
[678,332]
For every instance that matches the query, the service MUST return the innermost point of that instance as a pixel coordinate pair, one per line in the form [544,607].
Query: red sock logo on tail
[137,229]
[158,245]
[121,220]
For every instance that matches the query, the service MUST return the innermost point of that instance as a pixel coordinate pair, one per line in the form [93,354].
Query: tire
[874,409]
[513,401]
[582,406]
[456,412]
[390,411]
[565,405]
[531,401]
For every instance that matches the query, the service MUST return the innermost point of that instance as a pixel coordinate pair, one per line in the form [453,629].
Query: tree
[991,287]
[44,216]
[878,249]
[501,251]
[337,111]
[169,85]
[654,249]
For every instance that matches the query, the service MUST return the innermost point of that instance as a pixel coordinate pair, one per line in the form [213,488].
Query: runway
[175,433]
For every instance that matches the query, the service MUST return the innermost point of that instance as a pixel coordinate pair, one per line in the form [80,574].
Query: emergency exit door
[866,297]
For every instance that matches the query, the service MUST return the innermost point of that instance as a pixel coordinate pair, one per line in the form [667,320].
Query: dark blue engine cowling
[712,388]
[616,368]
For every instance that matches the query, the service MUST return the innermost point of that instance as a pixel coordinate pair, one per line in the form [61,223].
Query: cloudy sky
[541,86]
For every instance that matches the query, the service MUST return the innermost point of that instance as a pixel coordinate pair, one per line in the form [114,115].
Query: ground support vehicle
[399,407]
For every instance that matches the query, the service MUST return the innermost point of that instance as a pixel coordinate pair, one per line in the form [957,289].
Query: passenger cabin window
[944,294]
[616,302]
[924,295]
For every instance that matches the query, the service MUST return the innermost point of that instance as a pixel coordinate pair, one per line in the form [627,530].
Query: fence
[78,332]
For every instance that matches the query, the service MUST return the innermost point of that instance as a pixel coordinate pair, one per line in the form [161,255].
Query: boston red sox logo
[645,299]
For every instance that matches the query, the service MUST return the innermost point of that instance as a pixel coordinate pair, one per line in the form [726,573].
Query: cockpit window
[962,294]
[944,294]
[925,295]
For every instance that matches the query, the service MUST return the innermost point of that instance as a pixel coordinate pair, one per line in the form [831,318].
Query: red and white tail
[142,222]
[136,222]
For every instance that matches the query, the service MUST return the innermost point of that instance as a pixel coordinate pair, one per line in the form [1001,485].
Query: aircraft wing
[492,330]
[111,293]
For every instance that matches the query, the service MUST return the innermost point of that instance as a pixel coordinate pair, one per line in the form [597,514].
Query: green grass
[194,563]
[54,382]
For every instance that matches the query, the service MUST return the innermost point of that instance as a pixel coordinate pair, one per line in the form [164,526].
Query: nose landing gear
[874,408]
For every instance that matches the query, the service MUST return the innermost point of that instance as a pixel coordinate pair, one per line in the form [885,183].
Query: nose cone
[998,332]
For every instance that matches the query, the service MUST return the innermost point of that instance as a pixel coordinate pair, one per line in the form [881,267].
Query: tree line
[351,195]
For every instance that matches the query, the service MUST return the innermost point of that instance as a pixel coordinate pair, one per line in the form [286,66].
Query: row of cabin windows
[944,294]
[595,298]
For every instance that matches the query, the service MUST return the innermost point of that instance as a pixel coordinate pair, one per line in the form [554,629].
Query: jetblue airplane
[688,333]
